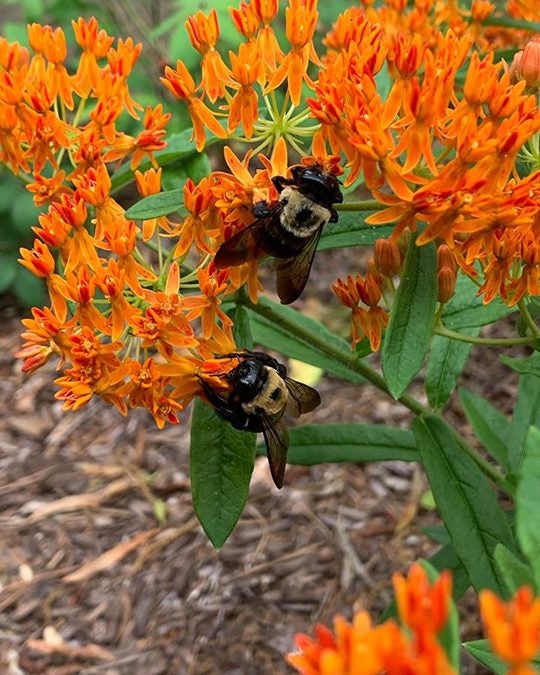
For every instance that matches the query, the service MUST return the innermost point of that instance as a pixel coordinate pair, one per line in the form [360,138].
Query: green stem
[350,360]
[533,328]
[365,205]
[492,342]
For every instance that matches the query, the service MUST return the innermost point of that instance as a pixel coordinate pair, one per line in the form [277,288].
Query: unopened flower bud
[526,64]
[445,258]
[446,278]
[387,257]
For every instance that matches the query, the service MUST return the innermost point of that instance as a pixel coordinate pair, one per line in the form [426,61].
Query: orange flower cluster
[441,157]
[364,649]
[438,156]
[119,328]
[413,646]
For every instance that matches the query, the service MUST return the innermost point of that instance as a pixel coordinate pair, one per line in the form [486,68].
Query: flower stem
[492,342]
[533,328]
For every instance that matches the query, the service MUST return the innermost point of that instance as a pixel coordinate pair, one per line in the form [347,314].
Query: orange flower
[513,628]
[364,649]
[246,69]
[200,225]
[95,44]
[204,32]
[207,305]
[180,83]
[368,320]
[300,22]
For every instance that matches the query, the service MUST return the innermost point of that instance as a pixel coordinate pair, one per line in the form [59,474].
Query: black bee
[288,229]
[260,394]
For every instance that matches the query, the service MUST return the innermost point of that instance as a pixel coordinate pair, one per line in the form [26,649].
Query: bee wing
[276,437]
[302,398]
[292,273]
[249,243]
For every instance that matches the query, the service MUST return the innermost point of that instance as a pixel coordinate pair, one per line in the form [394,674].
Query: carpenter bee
[260,393]
[288,229]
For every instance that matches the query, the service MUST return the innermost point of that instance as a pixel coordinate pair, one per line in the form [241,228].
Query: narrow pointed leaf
[516,573]
[481,651]
[319,443]
[153,206]
[352,230]
[466,501]
[221,464]
[242,328]
[528,366]
[527,512]
[491,426]
[447,359]
[526,414]
[411,321]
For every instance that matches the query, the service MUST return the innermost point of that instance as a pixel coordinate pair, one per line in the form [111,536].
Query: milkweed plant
[427,113]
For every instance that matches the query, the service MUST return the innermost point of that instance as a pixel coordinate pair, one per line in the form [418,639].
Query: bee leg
[237,418]
[333,216]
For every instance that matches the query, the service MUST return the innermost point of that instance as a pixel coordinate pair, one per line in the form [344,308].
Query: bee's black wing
[292,273]
[249,243]
[276,437]
[302,398]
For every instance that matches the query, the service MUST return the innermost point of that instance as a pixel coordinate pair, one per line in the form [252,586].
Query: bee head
[318,185]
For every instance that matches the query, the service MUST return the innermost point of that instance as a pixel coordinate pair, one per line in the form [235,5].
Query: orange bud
[446,278]
[445,258]
[526,64]
[387,257]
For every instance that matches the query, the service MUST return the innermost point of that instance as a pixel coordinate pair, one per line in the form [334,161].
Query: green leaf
[490,426]
[446,559]
[30,290]
[515,572]
[466,307]
[528,366]
[449,635]
[242,328]
[179,146]
[221,464]
[276,331]
[8,270]
[411,320]
[352,230]
[23,213]
[466,501]
[446,361]
[154,206]
[527,512]
[526,414]
[312,444]
[481,651]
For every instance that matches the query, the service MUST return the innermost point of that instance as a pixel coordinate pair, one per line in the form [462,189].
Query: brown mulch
[104,568]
